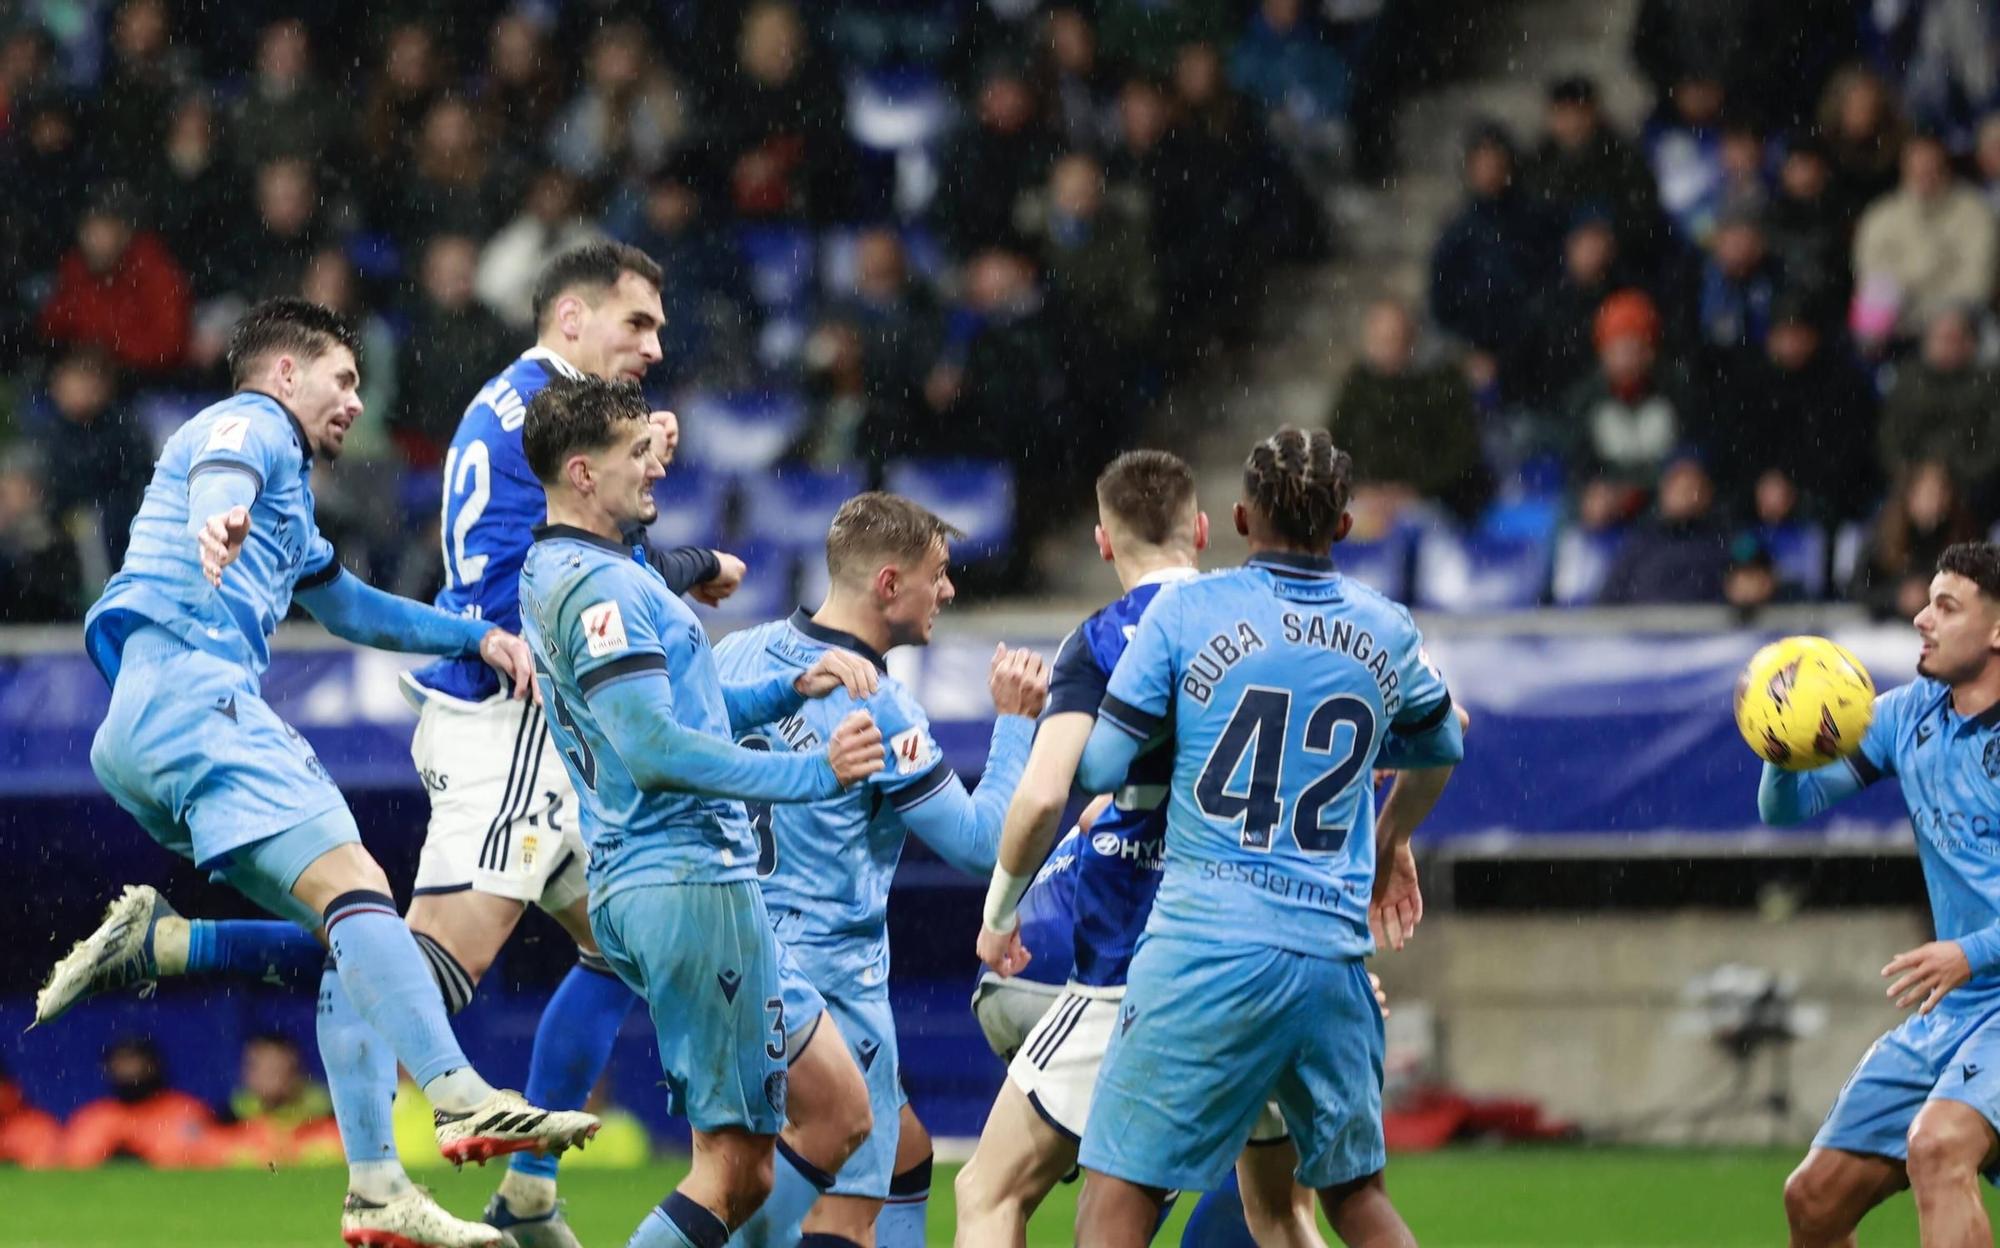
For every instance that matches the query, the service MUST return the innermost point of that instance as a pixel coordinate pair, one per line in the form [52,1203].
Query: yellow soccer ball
[1803,702]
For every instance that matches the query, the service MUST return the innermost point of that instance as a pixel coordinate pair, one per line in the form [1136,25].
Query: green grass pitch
[1548,1198]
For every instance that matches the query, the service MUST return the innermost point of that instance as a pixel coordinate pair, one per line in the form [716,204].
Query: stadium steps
[1310,323]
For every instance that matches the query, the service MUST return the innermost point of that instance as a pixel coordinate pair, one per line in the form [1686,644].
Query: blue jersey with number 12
[1281,680]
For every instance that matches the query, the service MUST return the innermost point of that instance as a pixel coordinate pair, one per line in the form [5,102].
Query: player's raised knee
[1947,1143]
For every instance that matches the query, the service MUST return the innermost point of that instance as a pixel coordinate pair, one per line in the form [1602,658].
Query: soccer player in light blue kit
[826,867]
[1280,682]
[223,542]
[1922,1109]
[643,725]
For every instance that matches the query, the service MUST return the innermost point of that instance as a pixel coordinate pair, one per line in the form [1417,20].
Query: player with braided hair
[1283,685]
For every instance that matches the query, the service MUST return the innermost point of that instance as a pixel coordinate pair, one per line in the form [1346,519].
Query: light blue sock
[361,1077]
[902,1222]
[1217,1220]
[797,1184]
[572,1044]
[282,954]
[391,986]
[678,1222]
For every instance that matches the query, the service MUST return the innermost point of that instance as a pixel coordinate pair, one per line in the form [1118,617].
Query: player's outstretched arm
[765,701]
[1788,797]
[356,611]
[1107,756]
[636,714]
[964,828]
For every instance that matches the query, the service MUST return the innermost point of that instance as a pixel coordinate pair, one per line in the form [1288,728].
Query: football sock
[361,1078]
[797,1184]
[281,954]
[572,1044]
[678,1222]
[901,1224]
[391,987]
[1217,1220]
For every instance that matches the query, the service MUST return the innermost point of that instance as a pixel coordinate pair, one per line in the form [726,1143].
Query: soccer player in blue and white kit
[1922,1109]
[1279,682]
[643,725]
[224,541]
[826,867]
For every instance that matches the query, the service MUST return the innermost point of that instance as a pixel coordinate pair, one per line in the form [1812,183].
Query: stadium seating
[744,431]
[1383,564]
[1480,571]
[1583,559]
[975,496]
[792,508]
[694,506]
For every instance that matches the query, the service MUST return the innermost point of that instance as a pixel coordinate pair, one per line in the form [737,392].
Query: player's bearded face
[1956,630]
[326,400]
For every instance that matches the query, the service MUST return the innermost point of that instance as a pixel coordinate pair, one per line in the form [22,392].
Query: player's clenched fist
[222,540]
[1019,680]
[838,669]
[856,749]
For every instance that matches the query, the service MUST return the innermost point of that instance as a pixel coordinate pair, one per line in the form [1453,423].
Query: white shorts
[1008,1009]
[504,819]
[1057,1065]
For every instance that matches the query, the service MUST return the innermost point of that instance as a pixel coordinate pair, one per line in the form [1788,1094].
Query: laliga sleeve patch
[228,434]
[603,629]
[911,750]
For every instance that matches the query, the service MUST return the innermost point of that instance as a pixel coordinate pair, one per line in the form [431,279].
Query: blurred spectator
[1145,34]
[1554,351]
[454,344]
[779,124]
[990,167]
[41,578]
[1864,133]
[1810,227]
[1102,282]
[27,57]
[105,459]
[142,1117]
[281,241]
[1413,430]
[1928,245]
[627,119]
[1785,428]
[846,411]
[405,85]
[29,1137]
[1079,96]
[1952,75]
[192,194]
[551,221]
[1282,216]
[1494,257]
[287,112]
[1751,580]
[707,301]
[1299,81]
[1725,296]
[120,289]
[1684,143]
[272,1086]
[1925,513]
[898,331]
[42,179]
[1679,553]
[521,91]
[1986,160]
[1945,406]
[136,95]
[1630,414]
[455,185]
[1582,162]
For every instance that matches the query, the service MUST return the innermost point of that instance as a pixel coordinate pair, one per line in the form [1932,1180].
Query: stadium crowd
[1746,354]
[942,229]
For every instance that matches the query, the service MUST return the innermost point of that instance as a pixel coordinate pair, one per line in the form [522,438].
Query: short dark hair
[1150,493]
[573,414]
[876,526]
[1978,562]
[1299,482]
[596,265]
[291,325]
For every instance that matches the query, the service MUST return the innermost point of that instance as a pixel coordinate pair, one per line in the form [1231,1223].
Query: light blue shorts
[869,1026]
[704,959]
[1208,1034]
[1930,1057]
[193,752]
[803,1004]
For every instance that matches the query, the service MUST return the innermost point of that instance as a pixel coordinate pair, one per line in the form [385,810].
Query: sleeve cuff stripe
[1864,770]
[630,665]
[324,575]
[924,788]
[1430,719]
[226,466]
[1129,718]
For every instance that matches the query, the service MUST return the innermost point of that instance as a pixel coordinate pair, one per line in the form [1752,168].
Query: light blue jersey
[1282,679]
[1949,767]
[254,436]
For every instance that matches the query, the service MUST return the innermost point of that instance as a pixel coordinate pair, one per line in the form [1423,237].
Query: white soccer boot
[112,957]
[411,1220]
[505,1123]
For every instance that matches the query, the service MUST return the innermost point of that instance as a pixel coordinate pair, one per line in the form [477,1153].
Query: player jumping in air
[826,867]
[1279,683]
[1922,1108]
[223,542]
[644,727]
